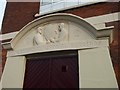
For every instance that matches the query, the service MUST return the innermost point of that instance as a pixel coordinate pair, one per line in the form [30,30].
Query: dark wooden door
[56,71]
[37,74]
[64,72]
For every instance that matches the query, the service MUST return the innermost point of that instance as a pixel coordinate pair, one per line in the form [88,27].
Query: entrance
[52,70]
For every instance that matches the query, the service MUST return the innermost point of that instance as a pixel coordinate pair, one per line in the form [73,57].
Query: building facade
[98,20]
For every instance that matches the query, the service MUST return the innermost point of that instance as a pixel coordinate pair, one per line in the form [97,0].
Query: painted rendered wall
[13,74]
[96,70]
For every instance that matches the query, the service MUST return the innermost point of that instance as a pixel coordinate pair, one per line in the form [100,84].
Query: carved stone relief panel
[54,32]
[51,33]
[39,37]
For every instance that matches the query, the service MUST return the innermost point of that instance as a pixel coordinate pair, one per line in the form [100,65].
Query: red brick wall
[4,53]
[18,14]
[94,9]
[115,48]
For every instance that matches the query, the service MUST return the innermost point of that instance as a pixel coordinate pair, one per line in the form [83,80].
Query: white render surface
[103,18]
[8,36]
[95,69]
[14,71]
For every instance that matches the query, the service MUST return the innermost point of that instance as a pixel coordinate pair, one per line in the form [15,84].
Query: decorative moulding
[106,32]
[88,44]
[7,45]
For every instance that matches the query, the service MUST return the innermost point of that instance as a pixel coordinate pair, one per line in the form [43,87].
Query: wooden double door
[52,71]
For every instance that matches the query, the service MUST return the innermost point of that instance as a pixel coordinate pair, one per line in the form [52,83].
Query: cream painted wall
[95,69]
[13,75]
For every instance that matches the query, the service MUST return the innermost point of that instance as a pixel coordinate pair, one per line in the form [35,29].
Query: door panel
[37,74]
[52,72]
[64,72]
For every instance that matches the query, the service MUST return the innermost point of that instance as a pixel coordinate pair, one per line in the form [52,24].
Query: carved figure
[45,37]
[62,32]
[54,39]
[39,38]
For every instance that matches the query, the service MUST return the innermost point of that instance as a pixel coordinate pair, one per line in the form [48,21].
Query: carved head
[39,30]
[61,26]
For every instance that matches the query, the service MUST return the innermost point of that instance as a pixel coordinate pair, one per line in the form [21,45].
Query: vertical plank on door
[65,72]
[37,74]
